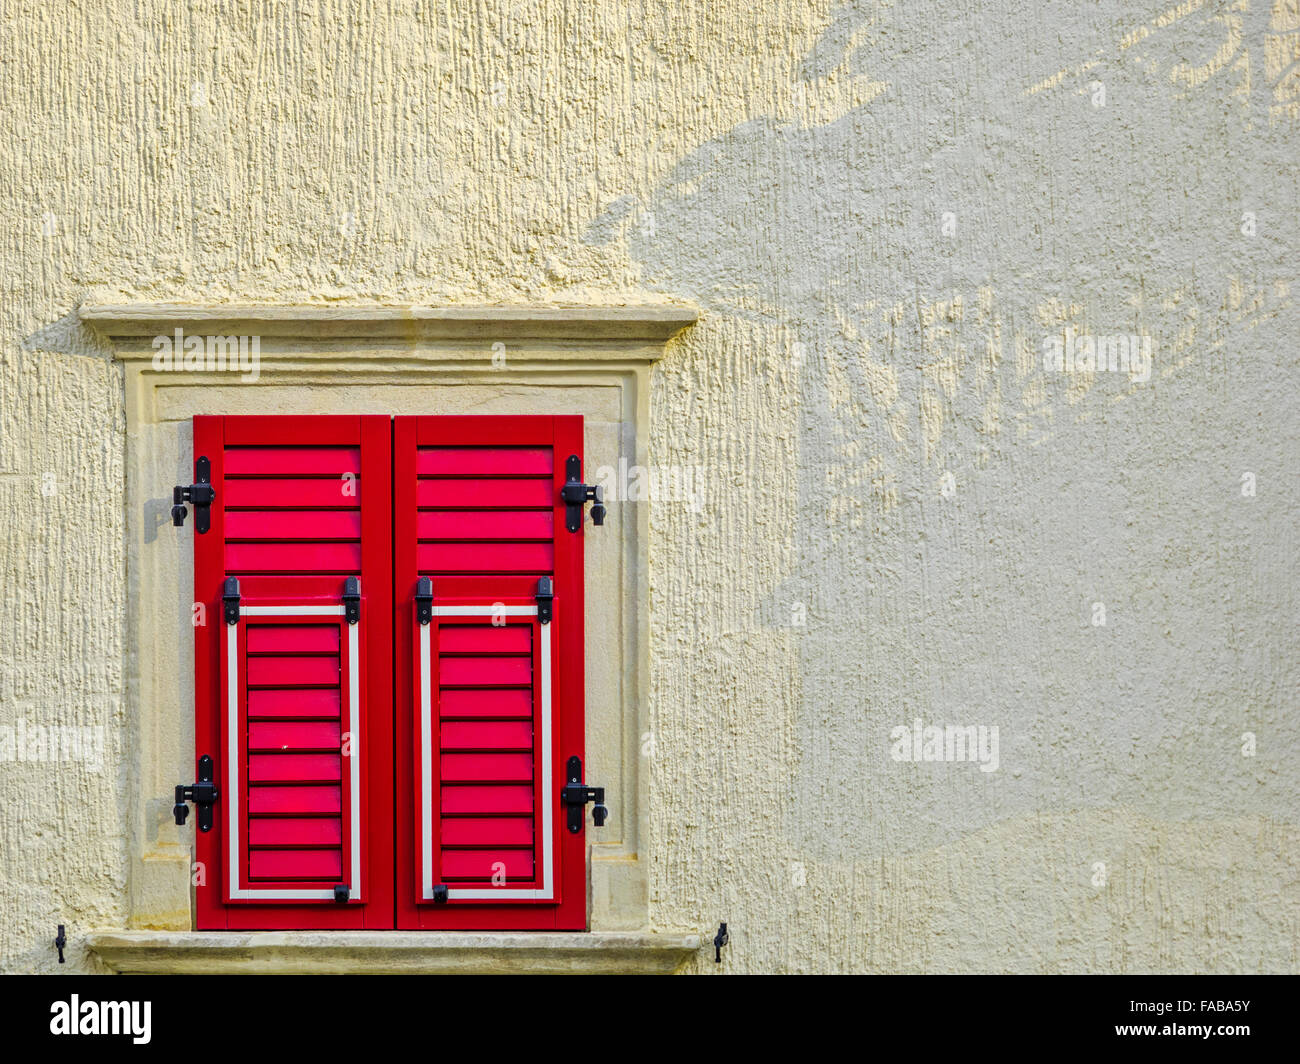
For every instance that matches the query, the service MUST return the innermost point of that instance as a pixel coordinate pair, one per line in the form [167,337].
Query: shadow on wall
[69,336]
[939,201]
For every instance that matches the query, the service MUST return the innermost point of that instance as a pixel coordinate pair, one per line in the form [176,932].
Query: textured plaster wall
[884,209]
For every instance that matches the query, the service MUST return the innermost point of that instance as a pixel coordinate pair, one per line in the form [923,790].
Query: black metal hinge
[545,596]
[199,495]
[352,599]
[440,893]
[575,794]
[575,494]
[424,600]
[230,600]
[203,794]
[342,892]
[60,943]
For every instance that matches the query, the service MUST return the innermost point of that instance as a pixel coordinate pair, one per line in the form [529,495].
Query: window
[405,361]
[388,673]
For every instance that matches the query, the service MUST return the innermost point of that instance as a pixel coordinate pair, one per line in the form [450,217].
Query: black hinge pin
[60,942]
[720,940]
[199,495]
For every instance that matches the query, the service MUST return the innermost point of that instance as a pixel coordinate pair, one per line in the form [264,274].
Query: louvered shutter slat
[295,461]
[481,494]
[284,735]
[289,493]
[494,461]
[275,702]
[485,525]
[311,525]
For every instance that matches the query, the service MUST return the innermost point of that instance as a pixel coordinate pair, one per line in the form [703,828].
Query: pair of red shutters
[383,772]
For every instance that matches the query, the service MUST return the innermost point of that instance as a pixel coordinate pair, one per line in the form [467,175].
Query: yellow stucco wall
[884,210]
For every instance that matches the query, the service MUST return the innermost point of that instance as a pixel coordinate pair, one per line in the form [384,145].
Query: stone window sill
[374,952]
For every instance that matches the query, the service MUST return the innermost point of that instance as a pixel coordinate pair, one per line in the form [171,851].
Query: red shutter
[292,701]
[489,698]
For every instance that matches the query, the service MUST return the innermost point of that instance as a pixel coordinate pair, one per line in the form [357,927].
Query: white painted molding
[630,322]
[363,952]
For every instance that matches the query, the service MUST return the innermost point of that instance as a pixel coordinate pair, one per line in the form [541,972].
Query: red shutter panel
[292,700]
[490,695]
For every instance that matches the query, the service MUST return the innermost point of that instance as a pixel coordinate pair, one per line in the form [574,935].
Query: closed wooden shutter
[489,695]
[292,700]
[386,769]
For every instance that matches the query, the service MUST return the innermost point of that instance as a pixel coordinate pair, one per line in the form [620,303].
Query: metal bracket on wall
[203,794]
[199,495]
[576,494]
[575,794]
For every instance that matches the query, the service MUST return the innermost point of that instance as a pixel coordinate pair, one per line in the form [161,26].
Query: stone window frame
[397,360]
